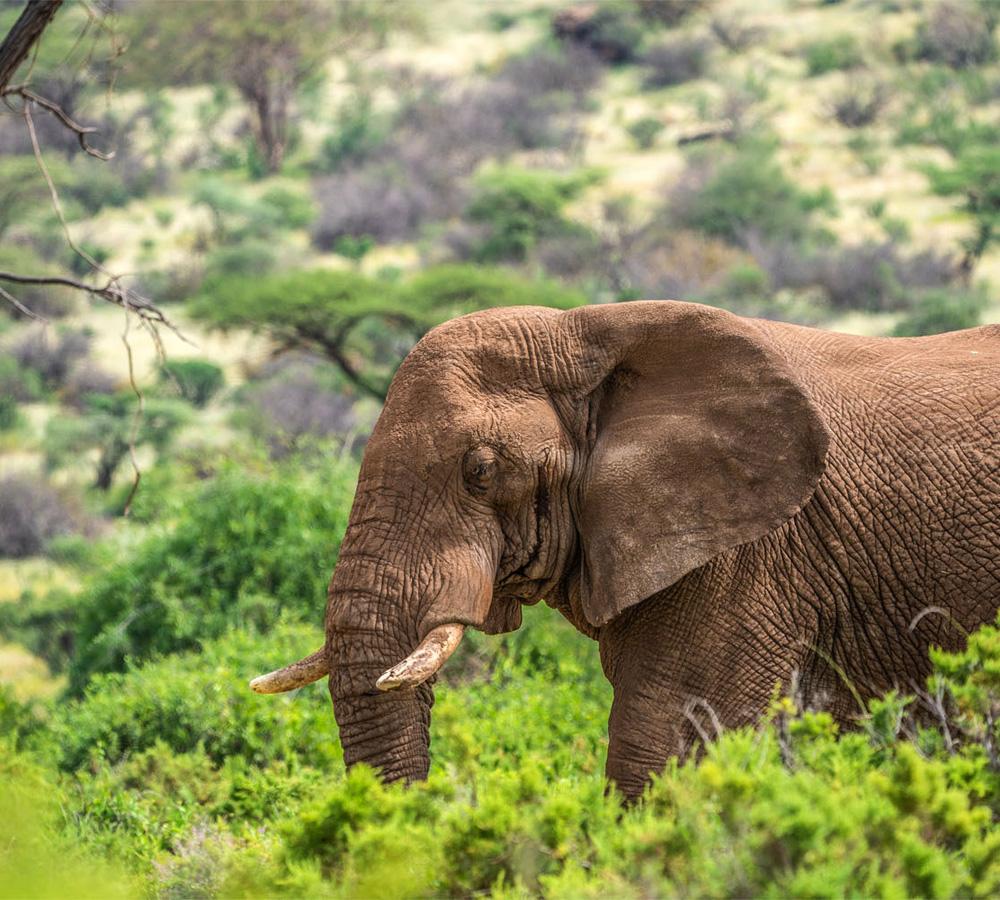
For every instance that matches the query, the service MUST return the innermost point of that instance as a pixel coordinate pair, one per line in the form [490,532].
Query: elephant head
[591,458]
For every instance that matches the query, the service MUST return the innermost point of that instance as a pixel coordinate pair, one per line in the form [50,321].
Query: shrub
[832,54]
[195,380]
[291,209]
[612,30]
[441,135]
[959,35]
[975,179]
[940,311]
[200,702]
[180,282]
[18,383]
[297,405]
[675,61]
[448,291]
[873,276]
[9,416]
[244,550]
[250,257]
[48,301]
[858,103]
[661,262]
[357,133]
[377,202]
[51,360]
[645,131]
[745,192]
[86,379]
[735,35]
[108,424]
[520,206]
[31,514]
[573,71]
[669,12]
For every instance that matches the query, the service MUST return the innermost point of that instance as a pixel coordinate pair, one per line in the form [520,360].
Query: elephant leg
[681,677]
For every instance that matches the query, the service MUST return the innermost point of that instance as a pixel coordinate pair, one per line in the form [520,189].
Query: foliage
[443,292]
[959,35]
[50,360]
[109,425]
[17,382]
[22,189]
[858,103]
[195,380]
[612,30]
[44,300]
[31,514]
[357,132]
[299,407]
[975,178]
[243,550]
[200,701]
[515,802]
[832,54]
[40,858]
[745,193]
[644,131]
[442,134]
[734,33]
[266,51]
[518,207]
[675,61]
[872,275]
[325,311]
[940,311]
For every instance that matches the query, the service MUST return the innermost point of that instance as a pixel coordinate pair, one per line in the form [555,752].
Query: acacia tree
[265,50]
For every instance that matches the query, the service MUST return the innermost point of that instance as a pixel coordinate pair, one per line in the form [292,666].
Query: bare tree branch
[81,131]
[112,291]
[23,36]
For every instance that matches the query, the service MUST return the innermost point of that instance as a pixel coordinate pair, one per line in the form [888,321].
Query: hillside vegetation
[307,188]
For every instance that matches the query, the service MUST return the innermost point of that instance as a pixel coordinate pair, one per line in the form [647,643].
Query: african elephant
[724,504]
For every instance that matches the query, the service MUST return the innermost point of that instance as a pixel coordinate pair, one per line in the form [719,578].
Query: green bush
[196,380]
[357,132]
[645,131]
[250,258]
[291,209]
[109,425]
[443,292]
[518,207]
[833,54]
[746,193]
[200,702]
[243,550]
[939,311]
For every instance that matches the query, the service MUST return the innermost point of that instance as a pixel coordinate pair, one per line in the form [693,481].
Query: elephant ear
[701,439]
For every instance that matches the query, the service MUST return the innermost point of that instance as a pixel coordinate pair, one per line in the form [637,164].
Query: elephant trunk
[388,731]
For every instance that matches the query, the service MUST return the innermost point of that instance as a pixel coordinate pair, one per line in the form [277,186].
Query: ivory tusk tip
[257,684]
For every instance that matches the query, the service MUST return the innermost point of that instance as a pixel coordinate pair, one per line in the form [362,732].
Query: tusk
[297,675]
[422,663]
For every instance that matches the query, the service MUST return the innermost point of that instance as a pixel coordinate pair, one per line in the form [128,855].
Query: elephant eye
[479,468]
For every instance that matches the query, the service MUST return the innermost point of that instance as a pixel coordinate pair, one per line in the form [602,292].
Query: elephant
[728,506]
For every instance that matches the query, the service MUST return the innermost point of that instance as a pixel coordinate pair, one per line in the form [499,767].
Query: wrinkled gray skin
[721,503]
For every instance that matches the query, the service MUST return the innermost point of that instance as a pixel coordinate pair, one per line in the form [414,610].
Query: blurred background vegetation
[306,188]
